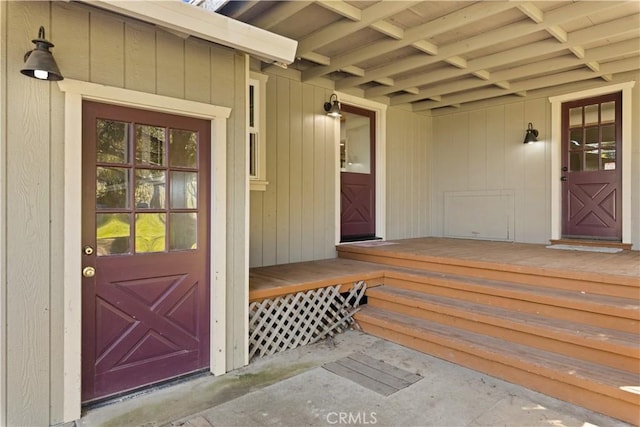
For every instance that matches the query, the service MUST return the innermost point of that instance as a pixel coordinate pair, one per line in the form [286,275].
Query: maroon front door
[357,174]
[591,168]
[145,220]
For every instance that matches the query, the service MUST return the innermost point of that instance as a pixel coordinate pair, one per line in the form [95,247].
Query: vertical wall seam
[3,231]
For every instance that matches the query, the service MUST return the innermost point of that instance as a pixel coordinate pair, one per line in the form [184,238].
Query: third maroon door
[591,168]
[145,248]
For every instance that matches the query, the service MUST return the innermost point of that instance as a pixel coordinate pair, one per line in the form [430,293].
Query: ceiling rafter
[597,32]
[342,8]
[555,17]
[615,67]
[281,12]
[524,71]
[459,18]
[345,27]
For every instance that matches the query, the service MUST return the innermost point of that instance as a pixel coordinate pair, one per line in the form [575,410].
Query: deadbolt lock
[88,272]
[88,250]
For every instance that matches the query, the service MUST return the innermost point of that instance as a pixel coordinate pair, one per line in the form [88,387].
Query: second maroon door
[357,174]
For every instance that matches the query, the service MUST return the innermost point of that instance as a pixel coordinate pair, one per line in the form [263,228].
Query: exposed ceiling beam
[519,29]
[459,18]
[603,53]
[621,66]
[206,25]
[242,7]
[283,11]
[345,27]
[597,32]
[342,8]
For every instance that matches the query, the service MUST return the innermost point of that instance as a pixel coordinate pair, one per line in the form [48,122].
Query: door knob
[88,272]
[564,178]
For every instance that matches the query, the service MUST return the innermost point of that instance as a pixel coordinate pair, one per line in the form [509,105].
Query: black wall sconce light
[333,107]
[39,62]
[532,135]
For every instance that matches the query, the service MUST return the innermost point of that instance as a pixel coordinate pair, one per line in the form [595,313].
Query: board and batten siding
[479,156]
[98,47]
[408,174]
[294,219]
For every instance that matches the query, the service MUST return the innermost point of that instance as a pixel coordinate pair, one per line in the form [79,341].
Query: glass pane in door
[355,143]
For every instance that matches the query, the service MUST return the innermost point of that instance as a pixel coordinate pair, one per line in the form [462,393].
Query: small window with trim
[256,134]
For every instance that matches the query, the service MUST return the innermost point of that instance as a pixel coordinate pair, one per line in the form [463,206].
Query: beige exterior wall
[487,184]
[480,162]
[294,219]
[409,163]
[94,46]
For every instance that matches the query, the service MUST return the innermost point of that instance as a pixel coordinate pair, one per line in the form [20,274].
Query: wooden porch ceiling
[438,55]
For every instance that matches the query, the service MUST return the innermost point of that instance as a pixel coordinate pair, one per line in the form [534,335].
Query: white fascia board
[198,22]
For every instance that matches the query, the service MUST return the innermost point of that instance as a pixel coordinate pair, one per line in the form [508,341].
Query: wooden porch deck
[267,282]
[564,323]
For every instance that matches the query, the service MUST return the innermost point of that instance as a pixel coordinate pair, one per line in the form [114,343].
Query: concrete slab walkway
[292,389]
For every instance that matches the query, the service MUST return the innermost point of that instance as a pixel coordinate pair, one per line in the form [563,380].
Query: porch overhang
[188,20]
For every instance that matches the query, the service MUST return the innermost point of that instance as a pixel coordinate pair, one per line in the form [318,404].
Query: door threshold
[356,239]
[592,243]
[139,391]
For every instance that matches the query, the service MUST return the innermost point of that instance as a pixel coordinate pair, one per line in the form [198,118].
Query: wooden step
[596,387]
[593,343]
[622,314]
[624,286]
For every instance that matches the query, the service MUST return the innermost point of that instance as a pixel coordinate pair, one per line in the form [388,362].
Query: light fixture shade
[333,107]
[39,62]
[531,136]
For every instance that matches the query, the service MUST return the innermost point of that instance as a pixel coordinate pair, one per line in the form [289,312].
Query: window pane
[184,190]
[183,232]
[575,117]
[112,188]
[113,232]
[356,130]
[252,105]
[608,136]
[183,148]
[608,160]
[592,137]
[575,159]
[150,232]
[150,145]
[112,142]
[608,112]
[575,138]
[592,160]
[591,114]
[150,189]
[253,155]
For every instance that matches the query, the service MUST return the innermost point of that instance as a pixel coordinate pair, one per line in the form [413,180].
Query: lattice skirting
[297,319]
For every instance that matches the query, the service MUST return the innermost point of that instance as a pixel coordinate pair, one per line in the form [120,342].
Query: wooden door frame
[75,92]
[380,111]
[556,154]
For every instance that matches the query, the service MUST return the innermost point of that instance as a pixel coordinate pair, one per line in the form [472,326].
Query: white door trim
[556,154]
[381,161]
[75,92]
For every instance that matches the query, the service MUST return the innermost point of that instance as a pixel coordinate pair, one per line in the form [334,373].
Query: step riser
[498,328]
[624,287]
[514,302]
[583,396]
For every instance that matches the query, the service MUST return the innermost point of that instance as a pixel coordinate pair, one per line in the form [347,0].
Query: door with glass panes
[591,168]
[145,244]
